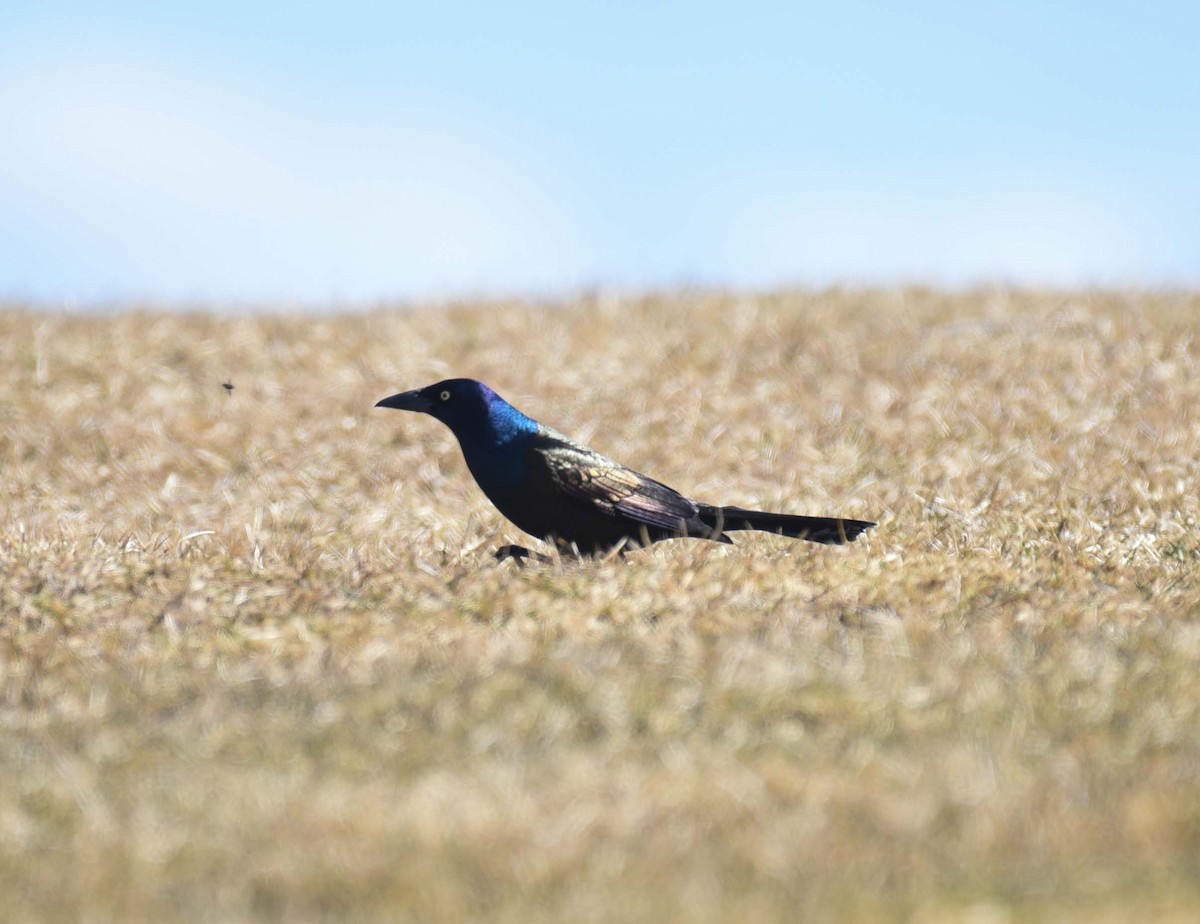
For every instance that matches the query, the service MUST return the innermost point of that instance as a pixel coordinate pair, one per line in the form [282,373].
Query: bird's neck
[496,453]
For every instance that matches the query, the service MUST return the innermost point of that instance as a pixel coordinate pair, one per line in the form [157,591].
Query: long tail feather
[827,530]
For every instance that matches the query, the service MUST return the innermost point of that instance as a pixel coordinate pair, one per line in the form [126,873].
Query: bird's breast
[498,467]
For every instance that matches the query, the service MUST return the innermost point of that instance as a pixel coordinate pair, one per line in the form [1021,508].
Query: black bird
[557,490]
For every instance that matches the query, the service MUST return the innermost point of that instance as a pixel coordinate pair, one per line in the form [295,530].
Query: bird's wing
[611,487]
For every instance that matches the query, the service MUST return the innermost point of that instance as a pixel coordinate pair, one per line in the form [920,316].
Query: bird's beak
[408,401]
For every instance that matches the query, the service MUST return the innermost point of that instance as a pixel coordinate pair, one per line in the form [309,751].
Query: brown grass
[256,662]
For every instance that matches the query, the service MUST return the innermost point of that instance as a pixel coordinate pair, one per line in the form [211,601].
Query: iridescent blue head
[466,407]
[492,433]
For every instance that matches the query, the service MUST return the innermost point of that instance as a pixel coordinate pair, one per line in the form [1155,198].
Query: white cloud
[959,230]
[138,172]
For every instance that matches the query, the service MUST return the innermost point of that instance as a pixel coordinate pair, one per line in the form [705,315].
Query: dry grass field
[256,662]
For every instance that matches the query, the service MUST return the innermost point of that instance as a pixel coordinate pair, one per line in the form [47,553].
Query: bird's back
[576,495]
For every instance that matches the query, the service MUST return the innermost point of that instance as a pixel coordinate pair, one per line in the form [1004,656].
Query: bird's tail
[827,530]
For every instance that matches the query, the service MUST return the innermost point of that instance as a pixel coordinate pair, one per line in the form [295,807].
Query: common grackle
[557,490]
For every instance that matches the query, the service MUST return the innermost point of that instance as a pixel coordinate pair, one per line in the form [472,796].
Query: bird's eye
[445,396]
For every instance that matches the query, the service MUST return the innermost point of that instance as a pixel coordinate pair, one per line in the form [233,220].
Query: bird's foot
[519,553]
[570,552]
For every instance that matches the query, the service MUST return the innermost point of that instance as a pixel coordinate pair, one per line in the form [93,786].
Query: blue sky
[219,151]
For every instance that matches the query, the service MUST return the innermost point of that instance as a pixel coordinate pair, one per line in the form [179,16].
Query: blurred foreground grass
[256,661]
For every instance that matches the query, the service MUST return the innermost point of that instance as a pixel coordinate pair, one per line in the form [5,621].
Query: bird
[577,499]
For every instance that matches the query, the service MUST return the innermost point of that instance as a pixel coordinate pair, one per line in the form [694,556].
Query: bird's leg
[719,527]
[567,550]
[617,551]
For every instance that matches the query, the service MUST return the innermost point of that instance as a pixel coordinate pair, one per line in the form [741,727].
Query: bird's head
[467,407]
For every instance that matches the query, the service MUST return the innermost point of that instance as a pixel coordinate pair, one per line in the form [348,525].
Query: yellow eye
[445,396]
